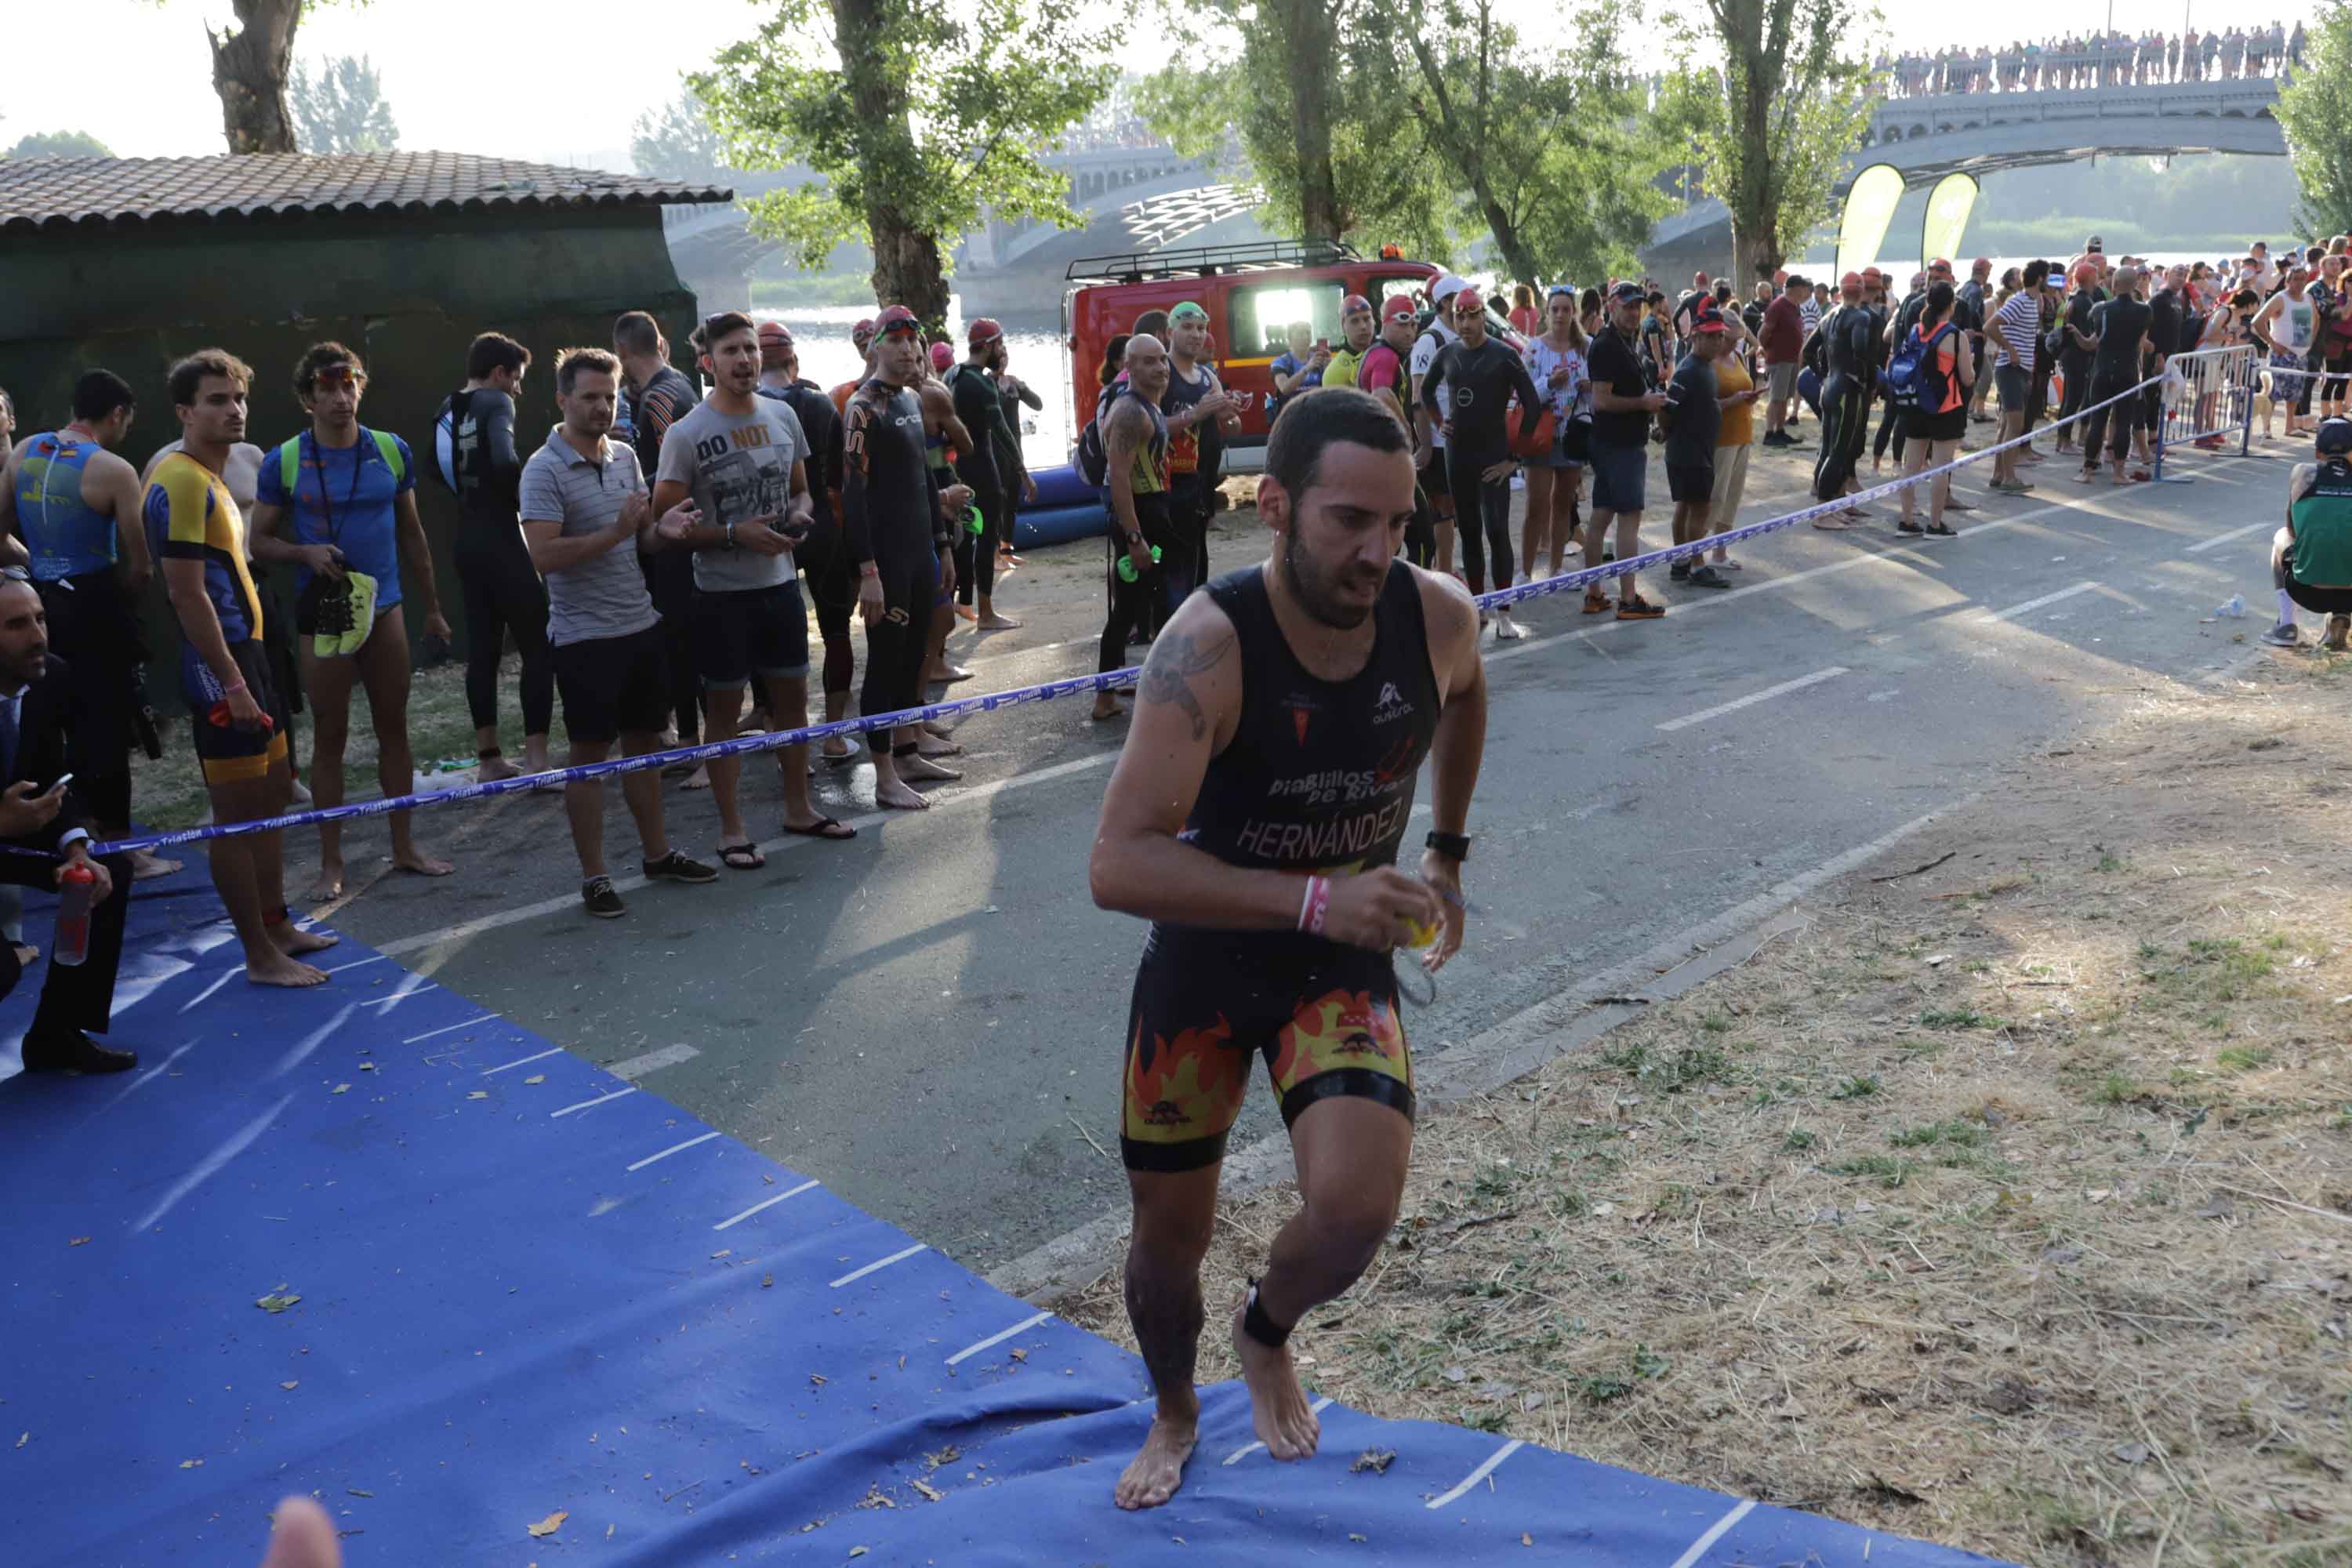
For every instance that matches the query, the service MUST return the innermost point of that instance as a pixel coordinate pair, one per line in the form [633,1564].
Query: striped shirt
[604,597]
[2021,323]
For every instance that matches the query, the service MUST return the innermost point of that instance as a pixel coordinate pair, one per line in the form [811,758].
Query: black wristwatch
[1455,846]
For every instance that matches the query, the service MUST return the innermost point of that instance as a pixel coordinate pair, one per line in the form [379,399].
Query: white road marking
[880,1263]
[769,1203]
[520,1061]
[2031,604]
[636,1067]
[1737,703]
[1246,1449]
[210,1165]
[2219,539]
[1698,1548]
[673,1149]
[1022,1327]
[446,1028]
[589,1104]
[1482,1472]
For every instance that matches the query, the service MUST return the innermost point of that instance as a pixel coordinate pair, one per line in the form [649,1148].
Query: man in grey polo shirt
[586,516]
[742,461]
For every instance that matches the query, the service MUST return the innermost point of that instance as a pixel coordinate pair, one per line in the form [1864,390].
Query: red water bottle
[74,885]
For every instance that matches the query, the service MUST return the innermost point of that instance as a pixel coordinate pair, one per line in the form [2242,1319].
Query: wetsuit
[1479,384]
[824,557]
[1142,603]
[93,625]
[977,404]
[474,454]
[1194,457]
[1846,339]
[2114,368]
[664,399]
[891,522]
[1318,777]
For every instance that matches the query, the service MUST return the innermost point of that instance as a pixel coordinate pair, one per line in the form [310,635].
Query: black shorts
[745,632]
[1691,482]
[94,628]
[2318,601]
[1433,479]
[823,559]
[227,753]
[1204,1009]
[1918,425]
[612,686]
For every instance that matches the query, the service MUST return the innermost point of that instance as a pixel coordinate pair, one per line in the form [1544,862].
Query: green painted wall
[409,292]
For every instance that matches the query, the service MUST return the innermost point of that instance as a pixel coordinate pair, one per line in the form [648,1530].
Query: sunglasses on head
[16,573]
[333,375]
[902,329]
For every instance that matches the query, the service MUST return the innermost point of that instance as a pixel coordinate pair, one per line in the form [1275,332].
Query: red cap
[897,319]
[1355,304]
[1708,320]
[863,332]
[942,356]
[1851,283]
[1981,264]
[1700,278]
[775,332]
[1398,305]
[1939,262]
[982,333]
[1872,273]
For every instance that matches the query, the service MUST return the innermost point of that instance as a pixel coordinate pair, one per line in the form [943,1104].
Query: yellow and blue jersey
[190,516]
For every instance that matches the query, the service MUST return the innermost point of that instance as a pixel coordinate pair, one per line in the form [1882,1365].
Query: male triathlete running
[474,453]
[195,528]
[1201,415]
[1135,466]
[1429,451]
[895,518]
[822,562]
[1255,817]
[76,505]
[1480,376]
[981,406]
[743,461]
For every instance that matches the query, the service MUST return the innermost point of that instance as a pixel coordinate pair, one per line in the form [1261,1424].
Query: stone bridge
[1927,138]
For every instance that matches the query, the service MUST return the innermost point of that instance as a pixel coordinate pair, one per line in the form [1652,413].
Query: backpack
[1913,379]
[290,459]
[1092,462]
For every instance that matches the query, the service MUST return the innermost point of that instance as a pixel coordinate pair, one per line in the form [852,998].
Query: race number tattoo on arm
[1176,657]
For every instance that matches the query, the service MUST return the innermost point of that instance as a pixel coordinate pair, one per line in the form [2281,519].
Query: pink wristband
[228,690]
[1314,905]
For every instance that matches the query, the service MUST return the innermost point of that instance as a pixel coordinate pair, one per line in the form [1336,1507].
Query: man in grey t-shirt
[585,517]
[742,461]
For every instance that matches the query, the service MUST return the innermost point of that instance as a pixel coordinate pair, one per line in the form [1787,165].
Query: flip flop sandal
[1596,603]
[841,760]
[742,856]
[823,828]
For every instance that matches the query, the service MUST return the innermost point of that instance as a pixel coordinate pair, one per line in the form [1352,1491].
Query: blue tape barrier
[989,702]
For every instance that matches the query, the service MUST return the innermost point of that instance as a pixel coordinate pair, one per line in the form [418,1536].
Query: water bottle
[1127,564]
[2235,609]
[74,887]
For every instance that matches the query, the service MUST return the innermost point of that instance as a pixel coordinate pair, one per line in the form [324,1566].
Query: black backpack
[1093,462]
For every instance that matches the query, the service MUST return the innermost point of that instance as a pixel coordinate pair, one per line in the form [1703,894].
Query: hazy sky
[487,76]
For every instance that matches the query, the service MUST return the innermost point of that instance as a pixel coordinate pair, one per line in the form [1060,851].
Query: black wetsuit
[665,398]
[1480,383]
[503,594]
[2114,368]
[1195,457]
[1845,336]
[1318,778]
[824,558]
[981,409]
[890,518]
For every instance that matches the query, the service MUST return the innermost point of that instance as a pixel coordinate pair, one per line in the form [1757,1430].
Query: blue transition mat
[513,1291]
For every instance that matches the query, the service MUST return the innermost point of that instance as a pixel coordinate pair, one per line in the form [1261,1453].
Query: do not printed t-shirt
[735,467]
[345,496]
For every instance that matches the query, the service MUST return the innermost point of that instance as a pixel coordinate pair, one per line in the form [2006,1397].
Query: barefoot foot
[992,622]
[422,864]
[491,770]
[279,970]
[934,746]
[891,792]
[921,766]
[146,865]
[699,779]
[1278,1407]
[293,940]
[326,886]
[1152,1477]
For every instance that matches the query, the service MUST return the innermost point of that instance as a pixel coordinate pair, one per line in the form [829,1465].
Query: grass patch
[1957,1018]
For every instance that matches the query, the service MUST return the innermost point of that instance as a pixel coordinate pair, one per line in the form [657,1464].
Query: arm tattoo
[1176,657]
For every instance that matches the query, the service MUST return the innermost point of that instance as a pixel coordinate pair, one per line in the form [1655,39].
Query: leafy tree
[2315,109]
[917,116]
[342,109]
[59,144]
[677,141]
[1770,130]
[252,61]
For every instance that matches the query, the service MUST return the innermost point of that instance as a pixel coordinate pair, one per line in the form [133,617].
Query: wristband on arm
[1314,905]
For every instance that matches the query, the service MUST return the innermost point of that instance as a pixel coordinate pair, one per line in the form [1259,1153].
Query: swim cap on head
[2334,438]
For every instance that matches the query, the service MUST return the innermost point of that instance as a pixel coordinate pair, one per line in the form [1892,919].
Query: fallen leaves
[340,1089]
[291,1385]
[550,1524]
[278,1301]
[192,1464]
[536,1078]
[931,1493]
[480,1094]
[1373,1460]
[78,1241]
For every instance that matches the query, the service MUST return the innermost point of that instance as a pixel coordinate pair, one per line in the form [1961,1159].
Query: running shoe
[1637,608]
[2283,635]
[675,867]
[1595,601]
[597,897]
[1941,531]
[1679,572]
[1705,576]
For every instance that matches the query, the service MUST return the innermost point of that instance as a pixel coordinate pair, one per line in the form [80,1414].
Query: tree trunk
[249,70]
[1312,37]
[910,269]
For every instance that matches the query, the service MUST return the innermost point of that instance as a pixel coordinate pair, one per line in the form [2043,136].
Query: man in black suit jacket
[37,813]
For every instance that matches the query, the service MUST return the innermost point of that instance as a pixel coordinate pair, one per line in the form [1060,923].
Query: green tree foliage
[252,59]
[1770,126]
[2315,109]
[342,108]
[677,141]
[919,117]
[59,144]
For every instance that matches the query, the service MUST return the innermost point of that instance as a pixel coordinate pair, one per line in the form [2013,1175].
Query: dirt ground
[2006,1203]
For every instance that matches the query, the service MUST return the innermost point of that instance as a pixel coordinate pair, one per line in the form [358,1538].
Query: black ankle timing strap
[906,748]
[1258,1326]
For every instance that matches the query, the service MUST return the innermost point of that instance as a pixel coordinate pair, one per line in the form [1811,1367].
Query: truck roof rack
[1209,261]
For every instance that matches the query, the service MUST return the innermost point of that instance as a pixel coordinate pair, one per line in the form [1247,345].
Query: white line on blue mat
[201,997]
[1720,709]
[1022,1327]
[673,1149]
[769,1203]
[587,1104]
[1698,1547]
[462,1024]
[355,964]
[1246,1449]
[2031,604]
[1482,1472]
[880,1263]
[518,1061]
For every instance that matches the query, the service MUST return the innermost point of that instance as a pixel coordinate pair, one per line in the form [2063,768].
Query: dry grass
[1979,1209]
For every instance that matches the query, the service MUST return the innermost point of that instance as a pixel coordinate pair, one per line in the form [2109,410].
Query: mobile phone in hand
[63,780]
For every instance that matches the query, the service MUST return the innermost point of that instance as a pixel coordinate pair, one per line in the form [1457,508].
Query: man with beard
[1255,820]
[981,406]
[821,557]
[1845,340]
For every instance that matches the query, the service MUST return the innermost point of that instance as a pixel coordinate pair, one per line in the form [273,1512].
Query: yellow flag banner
[1946,219]
[1869,208]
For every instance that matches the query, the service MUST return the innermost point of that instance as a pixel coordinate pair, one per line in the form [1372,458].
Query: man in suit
[38,811]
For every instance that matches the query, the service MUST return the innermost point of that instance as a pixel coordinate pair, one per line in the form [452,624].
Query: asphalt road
[930,1018]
